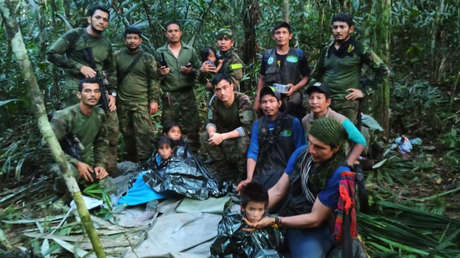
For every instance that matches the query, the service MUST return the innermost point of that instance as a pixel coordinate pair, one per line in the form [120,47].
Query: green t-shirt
[239,115]
[140,85]
[90,131]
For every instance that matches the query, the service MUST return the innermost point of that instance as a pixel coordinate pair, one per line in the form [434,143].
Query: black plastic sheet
[232,241]
[185,175]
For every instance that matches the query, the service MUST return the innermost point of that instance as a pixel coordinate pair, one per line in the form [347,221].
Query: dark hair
[219,77]
[253,192]
[87,80]
[164,140]
[204,53]
[133,30]
[168,125]
[93,9]
[343,17]
[173,22]
[281,25]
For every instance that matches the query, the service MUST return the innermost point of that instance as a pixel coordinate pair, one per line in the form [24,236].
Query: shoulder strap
[130,67]
[73,38]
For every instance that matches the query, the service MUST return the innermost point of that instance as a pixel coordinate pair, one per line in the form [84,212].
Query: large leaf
[370,122]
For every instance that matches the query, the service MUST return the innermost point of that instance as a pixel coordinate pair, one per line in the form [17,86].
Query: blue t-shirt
[297,132]
[330,194]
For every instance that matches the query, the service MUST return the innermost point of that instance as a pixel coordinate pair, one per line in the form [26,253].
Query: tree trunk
[382,97]
[251,15]
[286,10]
[13,33]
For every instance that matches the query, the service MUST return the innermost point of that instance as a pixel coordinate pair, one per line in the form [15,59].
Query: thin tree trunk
[147,11]
[251,15]
[286,10]
[382,107]
[13,33]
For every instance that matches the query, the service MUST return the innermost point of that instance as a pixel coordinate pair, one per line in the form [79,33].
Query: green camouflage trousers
[137,129]
[229,158]
[113,133]
[180,107]
[348,108]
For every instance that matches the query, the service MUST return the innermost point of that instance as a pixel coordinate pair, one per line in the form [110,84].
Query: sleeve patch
[236,66]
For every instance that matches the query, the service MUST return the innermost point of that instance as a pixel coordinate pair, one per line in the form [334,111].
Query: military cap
[224,33]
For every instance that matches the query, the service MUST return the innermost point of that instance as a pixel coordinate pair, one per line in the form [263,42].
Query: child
[139,191]
[254,201]
[165,149]
[232,239]
[173,131]
[208,55]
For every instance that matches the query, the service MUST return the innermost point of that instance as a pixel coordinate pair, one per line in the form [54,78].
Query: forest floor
[420,188]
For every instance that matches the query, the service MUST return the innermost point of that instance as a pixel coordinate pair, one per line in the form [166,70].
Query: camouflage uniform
[230,155]
[232,64]
[134,94]
[67,53]
[91,131]
[341,70]
[178,98]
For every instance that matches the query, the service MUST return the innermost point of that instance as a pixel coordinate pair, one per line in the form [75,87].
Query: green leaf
[370,122]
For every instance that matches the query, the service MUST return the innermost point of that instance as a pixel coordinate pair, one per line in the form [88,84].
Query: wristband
[277,223]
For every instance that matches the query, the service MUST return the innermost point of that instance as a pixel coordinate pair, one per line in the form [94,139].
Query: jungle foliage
[425,100]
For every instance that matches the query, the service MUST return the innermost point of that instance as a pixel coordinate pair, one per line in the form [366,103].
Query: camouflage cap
[224,33]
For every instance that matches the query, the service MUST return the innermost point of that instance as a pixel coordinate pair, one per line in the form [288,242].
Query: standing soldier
[138,95]
[286,66]
[179,65]
[86,53]
[340,66]
[231,62]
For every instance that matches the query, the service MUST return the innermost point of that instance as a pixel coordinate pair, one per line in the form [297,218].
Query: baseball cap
[269,91]
[319,87]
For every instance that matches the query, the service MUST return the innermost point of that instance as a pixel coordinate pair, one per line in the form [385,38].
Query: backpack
[345,228]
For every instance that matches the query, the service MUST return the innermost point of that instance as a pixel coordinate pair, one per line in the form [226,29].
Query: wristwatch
[114,94]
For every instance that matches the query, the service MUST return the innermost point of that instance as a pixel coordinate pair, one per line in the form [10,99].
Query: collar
[348,48]
[327,114]
[182,46]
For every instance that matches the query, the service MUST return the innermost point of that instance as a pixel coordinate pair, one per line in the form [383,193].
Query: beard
[96,30]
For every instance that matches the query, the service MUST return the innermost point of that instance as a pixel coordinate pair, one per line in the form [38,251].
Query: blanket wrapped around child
[182,174]
[232,241]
